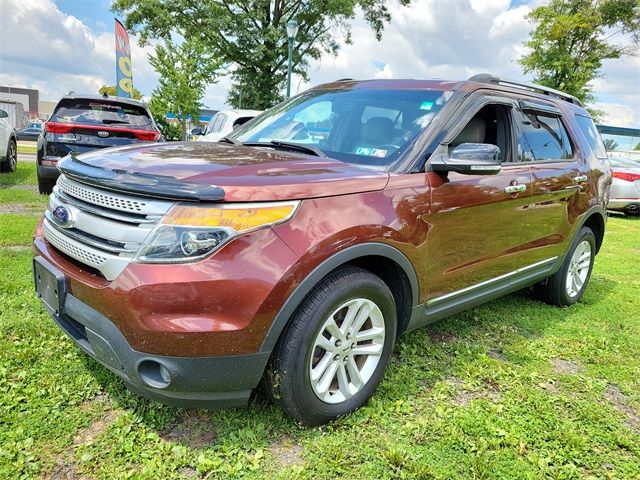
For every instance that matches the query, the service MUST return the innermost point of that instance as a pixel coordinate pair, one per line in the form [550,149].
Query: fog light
[154,374]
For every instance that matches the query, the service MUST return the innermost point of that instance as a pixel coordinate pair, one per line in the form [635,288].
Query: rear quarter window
[591,134]
[96,112]
[545,137]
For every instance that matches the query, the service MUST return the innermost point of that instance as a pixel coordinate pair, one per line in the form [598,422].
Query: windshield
[96,112]
[366,127]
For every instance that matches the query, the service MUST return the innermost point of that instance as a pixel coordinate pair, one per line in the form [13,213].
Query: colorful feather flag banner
[124,72]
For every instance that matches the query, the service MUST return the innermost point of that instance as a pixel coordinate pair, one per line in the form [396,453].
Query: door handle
[510,189]
[580,179]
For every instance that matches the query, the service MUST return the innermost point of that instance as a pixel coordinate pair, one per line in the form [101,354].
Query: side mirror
[197,131]
[3,114]
[470,159]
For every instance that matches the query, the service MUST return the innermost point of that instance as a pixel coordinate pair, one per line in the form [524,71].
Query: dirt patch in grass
[22,186]
[90,433]
[497,355]
[565,367]
[16,248]
[188,472]
[619,400]
[441,337]
[463,396]
[20,209]
[286,452]
[550,387]
[193,430]
[65,471]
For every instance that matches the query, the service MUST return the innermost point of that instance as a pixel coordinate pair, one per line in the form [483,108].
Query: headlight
[191,232]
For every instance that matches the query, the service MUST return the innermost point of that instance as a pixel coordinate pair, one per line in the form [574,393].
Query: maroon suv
[298,249]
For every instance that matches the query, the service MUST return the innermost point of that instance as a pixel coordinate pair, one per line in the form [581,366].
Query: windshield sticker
[426,105]
[371,152]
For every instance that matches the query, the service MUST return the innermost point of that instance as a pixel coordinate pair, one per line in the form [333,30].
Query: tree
[573,37]
[159,109]
[249,35]
[185,70]
[111,91]
[610,145]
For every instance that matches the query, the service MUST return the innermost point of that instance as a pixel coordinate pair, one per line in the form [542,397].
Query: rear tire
[333,354]
[10,161]
[568,284]
[632,211]
[45,186]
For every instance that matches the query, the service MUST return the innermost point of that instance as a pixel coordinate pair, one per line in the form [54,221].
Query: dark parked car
[30,133]
[196,270]
[83,123]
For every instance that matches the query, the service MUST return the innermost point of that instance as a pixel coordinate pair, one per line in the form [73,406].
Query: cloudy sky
[61,45]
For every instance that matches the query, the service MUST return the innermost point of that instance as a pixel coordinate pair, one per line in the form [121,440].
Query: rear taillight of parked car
[147,135]
[629,177]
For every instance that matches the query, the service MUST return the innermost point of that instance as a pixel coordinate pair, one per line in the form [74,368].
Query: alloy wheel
[13,157]
[347,350]
[578,268]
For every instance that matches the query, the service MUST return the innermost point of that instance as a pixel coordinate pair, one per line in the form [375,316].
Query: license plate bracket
[50,285]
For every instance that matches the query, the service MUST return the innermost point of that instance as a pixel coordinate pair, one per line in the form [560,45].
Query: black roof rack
[532,87]
[344,80]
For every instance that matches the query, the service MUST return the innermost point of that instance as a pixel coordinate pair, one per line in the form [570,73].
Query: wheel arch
[595,219]
[383,260]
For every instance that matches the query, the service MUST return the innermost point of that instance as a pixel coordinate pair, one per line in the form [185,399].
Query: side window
[220,122]
[215,123]
[209,127]
[491,124]
[592,135]
[543,137]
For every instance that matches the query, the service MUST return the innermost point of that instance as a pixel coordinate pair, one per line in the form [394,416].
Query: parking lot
[514,388]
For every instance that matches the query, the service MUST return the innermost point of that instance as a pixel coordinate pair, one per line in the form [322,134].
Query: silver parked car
[625,189]
[8,144]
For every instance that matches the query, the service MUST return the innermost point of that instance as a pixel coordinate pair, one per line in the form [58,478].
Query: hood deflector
[144,184]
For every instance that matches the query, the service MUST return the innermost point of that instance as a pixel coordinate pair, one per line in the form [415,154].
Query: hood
[244,173]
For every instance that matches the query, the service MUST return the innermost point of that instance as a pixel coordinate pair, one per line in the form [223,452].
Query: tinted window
[97,112]
[592,135]
[543,137]
[367,127]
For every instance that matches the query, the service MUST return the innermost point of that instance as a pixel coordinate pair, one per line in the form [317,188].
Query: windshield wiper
[109,122]
[296,147]
[230,140]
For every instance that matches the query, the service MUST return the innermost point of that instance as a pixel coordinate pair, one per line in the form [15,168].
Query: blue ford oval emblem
[62,216]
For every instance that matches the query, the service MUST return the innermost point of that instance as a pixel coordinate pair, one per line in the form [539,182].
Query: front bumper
[193,382]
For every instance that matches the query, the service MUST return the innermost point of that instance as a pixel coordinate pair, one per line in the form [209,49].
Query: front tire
[10,162]
[568,284]
[333,354]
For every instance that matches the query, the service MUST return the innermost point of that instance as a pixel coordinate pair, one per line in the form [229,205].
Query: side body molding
[322,270]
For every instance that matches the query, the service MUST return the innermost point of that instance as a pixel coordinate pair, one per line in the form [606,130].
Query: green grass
[18,189]
[25,174]
[30,149]
[511,389]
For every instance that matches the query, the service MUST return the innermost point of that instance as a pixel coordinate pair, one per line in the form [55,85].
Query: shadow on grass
[422,358]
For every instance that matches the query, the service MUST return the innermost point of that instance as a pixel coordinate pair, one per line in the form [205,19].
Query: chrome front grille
[104,199]
[106,227]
